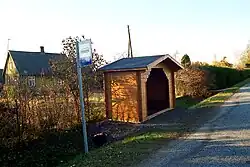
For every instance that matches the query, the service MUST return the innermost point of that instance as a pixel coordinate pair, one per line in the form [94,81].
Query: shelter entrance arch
[157,87]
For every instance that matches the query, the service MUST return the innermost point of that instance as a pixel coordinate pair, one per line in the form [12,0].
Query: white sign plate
[85,53]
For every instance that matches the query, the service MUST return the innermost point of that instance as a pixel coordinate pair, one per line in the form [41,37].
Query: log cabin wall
[107,91]
[123,97]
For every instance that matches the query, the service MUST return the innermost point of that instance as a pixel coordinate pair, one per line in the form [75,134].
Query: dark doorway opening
[157,91]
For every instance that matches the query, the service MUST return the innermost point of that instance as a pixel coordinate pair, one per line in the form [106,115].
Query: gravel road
[223,141]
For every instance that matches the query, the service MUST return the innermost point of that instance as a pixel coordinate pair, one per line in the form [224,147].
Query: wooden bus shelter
[140,87]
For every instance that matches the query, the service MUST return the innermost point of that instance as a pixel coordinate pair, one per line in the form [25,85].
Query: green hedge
[226,77]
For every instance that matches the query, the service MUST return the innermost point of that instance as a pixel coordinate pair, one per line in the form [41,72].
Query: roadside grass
[126,152]
[221,97]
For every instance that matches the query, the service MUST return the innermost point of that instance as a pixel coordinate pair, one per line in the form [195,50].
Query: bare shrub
[8,133]
[193,82]
[26,113]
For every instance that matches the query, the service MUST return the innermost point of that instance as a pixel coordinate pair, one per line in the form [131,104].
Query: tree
[225,63]
[198,64]
[120,56]
[222,63]
[185,61]
[65,70]
[244,57]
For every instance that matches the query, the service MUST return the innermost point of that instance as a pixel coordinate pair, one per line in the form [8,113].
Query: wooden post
[171,90]
[174,97]
[144,77]
[108,95]
[139,95]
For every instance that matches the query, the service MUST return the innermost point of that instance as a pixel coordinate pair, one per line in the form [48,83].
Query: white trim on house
[31,81]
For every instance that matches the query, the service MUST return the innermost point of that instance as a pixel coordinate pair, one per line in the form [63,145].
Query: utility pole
[175,54]
[8,44]
[130,51]
[215,57]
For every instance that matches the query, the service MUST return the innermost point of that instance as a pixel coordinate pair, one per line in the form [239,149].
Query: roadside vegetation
[202,85]
[220,97]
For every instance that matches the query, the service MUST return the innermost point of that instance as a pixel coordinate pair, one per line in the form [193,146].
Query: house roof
[32,63]
[144,62]
[1,75]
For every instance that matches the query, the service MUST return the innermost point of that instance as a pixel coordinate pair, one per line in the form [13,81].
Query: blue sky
[200,28]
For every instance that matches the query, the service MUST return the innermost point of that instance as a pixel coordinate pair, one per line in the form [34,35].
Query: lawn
[187,101]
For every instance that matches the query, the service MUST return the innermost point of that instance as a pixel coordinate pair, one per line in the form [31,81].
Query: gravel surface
[223,141]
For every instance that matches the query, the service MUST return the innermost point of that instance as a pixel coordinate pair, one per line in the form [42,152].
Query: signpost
[83,58]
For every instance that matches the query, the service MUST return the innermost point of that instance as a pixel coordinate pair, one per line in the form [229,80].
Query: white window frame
[31,81]
[60,82]
[10,65]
